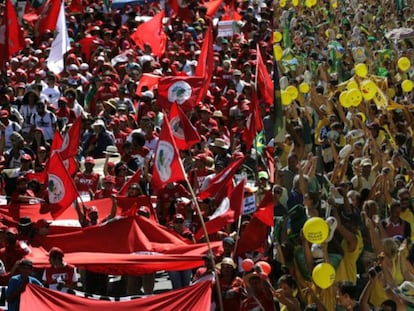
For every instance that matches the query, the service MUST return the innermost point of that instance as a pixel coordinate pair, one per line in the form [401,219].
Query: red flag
[229,210]
[212,7]
[254,122]
[12,40]
[185,134]
[61,189]
[221,180]
[152,33]
[70,143]
[263,80]
[205,65]
[190,298]
[148,80]
[54,148]
[136,178]
[167,167]
[86,44]
[182,90]
[48,16]
[181,10]
[255,234]
[75,6]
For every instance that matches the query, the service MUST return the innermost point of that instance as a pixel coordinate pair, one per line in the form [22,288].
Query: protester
[18,283]
[60,275]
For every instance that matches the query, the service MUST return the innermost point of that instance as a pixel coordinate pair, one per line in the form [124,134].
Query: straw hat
[219,143]
[112,151]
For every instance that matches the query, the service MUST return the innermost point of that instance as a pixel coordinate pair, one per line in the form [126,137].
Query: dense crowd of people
[347,159]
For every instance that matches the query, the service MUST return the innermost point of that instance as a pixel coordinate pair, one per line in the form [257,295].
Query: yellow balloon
[407,86]
[282,3]
[295,2]
[277,37]
[313,2]
[316,230]
[404,63]
[323,275]
[361,70]
[292,91]
[391,92]
[352,85]
[308,3]
[334,4]
[368,89]
[354,97]
[343,99]
[277,52]
[286,99]
[304,88]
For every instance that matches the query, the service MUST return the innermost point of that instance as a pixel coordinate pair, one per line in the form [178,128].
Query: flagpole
[277,107]
[203,225]
[237,236]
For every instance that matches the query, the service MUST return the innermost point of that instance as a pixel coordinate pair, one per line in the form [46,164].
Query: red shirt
[167,195]
[231,293]
[120,138]
[87,182]
[53,275]
[105,93]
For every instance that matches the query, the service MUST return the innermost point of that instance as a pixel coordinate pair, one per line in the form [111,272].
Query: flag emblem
[179,92]
[56,189]
[164,158]
[177,128]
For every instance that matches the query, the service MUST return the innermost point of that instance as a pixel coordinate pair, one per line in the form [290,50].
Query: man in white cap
[100,139]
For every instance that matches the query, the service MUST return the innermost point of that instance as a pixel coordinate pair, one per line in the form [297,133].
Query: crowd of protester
[350,165]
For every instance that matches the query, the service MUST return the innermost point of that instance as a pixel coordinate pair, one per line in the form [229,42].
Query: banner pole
[203,225]
[237,237]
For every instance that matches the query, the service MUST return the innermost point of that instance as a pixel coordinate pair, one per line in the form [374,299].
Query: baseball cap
[90,160]
[109,179]
[229,240]
[4,113]
[263,174]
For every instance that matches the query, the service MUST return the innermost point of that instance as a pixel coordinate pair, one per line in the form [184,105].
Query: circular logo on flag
[179,92]
[56,189]
[176,128]
[163,159]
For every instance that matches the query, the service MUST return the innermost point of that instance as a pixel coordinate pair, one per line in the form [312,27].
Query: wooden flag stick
[203,225]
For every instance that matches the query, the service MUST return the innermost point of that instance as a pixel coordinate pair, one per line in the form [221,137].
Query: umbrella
[400,33]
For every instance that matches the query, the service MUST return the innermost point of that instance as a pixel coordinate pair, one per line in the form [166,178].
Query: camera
[374,271]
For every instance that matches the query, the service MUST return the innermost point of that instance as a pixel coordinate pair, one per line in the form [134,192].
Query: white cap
[148,94]
[84,66]
[73,67]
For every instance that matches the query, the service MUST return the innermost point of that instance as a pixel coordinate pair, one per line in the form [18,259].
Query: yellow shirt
[378,294]
[408,216]
[347,270]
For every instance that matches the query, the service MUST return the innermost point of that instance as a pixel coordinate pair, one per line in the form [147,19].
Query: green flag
[260,142]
